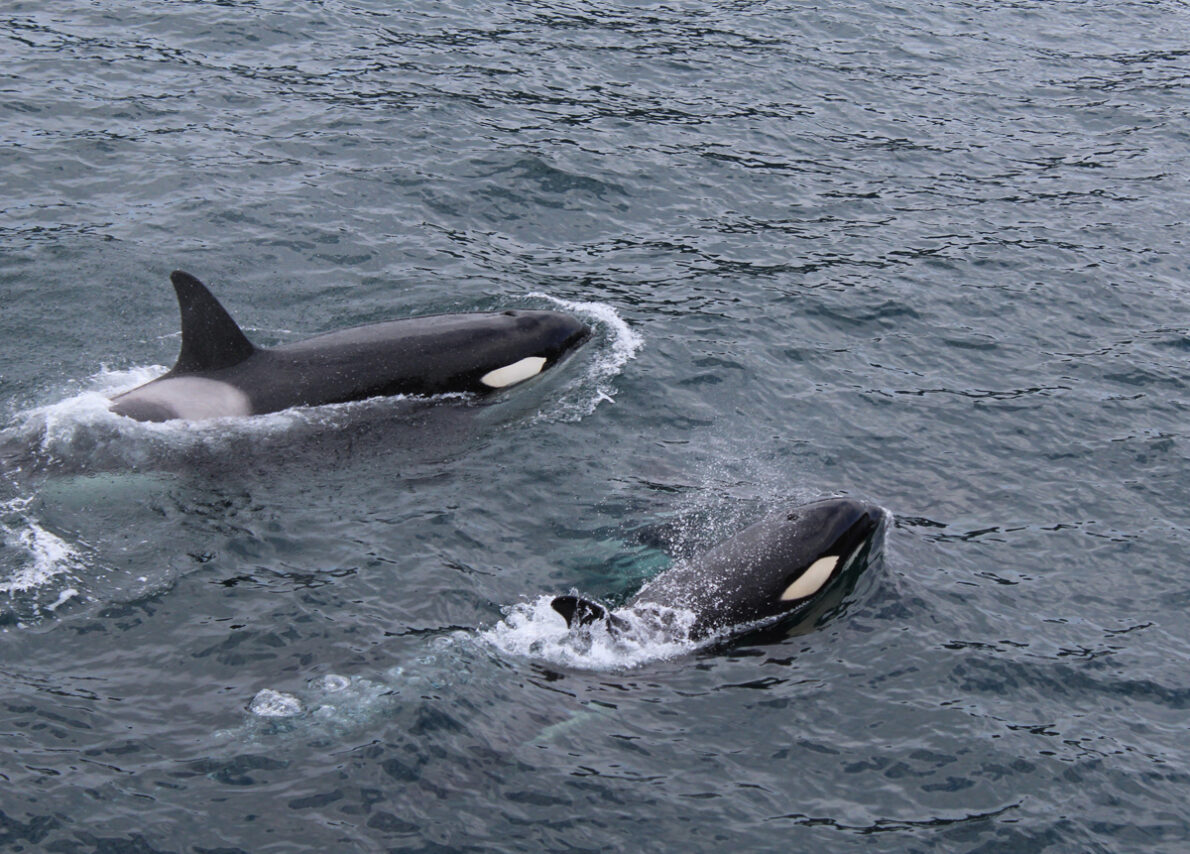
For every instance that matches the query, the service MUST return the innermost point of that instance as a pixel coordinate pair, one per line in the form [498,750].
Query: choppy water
[931,255]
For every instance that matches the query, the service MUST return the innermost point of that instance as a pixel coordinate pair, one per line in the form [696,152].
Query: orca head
[554,332]
[827,539]
[818,553]
[781,566]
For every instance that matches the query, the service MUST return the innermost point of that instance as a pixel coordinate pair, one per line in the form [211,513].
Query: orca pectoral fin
[578,611]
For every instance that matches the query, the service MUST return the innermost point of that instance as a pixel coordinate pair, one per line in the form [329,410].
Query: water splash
[535,630]
[35,559]
[82,427]
[623,343]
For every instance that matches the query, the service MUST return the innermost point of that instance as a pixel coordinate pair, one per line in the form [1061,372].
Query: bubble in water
[332,683]
[273,704]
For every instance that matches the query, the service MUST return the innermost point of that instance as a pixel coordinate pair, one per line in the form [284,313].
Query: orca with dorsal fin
[781,567]
[220,372]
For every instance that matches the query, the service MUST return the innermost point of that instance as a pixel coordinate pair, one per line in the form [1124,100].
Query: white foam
[535,630]
[624,343]
[42,556]
[63,597]
[56,421]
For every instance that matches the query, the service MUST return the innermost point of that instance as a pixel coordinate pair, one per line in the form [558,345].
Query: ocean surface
[929,255]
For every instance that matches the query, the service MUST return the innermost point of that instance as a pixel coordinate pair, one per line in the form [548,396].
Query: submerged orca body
[220,373]
[784,566]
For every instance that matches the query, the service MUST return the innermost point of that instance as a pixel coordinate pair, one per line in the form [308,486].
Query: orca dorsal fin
[210,338]
[578,611]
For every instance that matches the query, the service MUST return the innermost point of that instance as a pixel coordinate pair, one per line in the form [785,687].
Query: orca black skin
[779,567]
[220,373]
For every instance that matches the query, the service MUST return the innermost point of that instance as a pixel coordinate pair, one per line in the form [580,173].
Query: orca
[220,373]
[779,569]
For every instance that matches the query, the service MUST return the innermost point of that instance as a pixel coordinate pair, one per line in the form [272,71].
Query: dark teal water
[931,255]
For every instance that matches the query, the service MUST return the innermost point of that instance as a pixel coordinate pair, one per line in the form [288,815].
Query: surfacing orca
[220,373]
[779,569]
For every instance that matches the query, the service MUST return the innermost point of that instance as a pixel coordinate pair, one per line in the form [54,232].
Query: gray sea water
[931,255]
